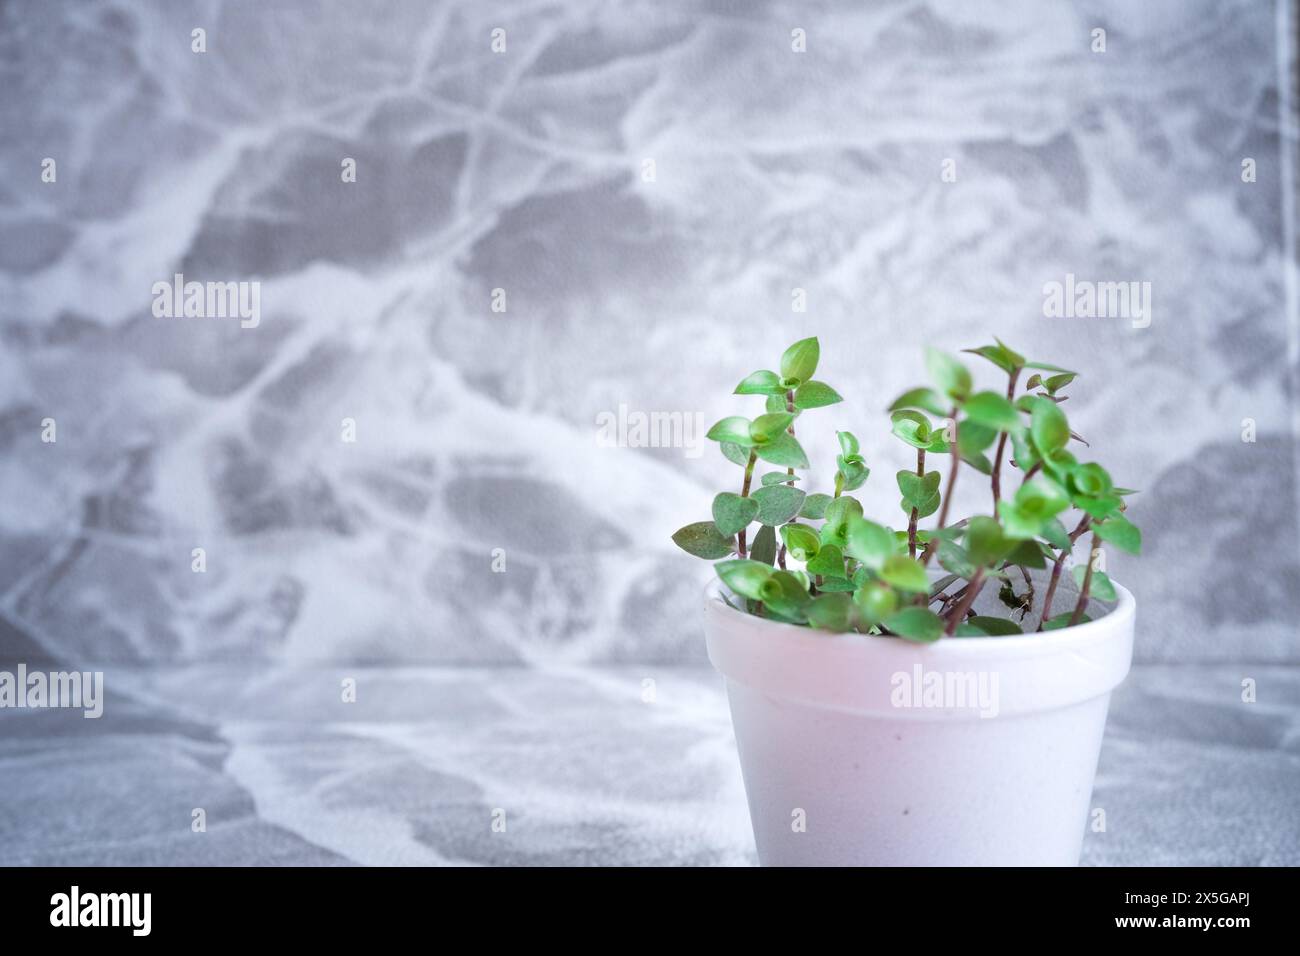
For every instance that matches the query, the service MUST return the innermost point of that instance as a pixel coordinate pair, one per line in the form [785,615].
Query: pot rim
[1099,628]
[854,672]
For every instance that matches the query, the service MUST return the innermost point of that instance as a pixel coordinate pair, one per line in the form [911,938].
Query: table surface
[582,768]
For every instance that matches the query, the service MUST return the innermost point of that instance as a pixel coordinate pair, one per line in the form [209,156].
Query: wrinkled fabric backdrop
[648,184]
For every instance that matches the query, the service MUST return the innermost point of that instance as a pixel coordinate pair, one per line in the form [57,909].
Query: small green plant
[860,575]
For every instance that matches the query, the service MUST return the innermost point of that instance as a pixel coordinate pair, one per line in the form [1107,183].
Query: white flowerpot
[854,754]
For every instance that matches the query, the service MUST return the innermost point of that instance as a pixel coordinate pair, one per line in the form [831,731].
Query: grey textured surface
[522,171]
[584,769]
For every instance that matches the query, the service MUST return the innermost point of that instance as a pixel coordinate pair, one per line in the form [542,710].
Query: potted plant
[919,695]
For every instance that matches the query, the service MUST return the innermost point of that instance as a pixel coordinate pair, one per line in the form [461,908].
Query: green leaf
[1017,524]
[743,576]
[869,542]
[876,601]
[912,427]
[848,444]
[1100,588]
[840,510]
[985,543]
[734,430]
[831,612]
[785,592]
[1059,464]
[829,560]
[905,573]
[789,614]
[835,535]
[704,540]
[1099,508]
[1035,501]
[834,583]
[915,624]
[767,426]
[1042,496]
[800,361]
[777,504]
[761,383]
[1022,450]
[1120,532]
[1090,479]
[734,453]
[732,512]
[980,462]
[953,557]
[801,541]
[1044,367]
[764,549]
[854,473]
[1055,534]
[919,492]
[783,450]
[987,626]
[951,376]
[814,506]
[777,478]
[926,399]
[973,438]
[838,514]
[815,395]
[776,403]
[993,411]
[1001,356]
[1062,620]
[1048,426]
[1028,554]
[1055,383]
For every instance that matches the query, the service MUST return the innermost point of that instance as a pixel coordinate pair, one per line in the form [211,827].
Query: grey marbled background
[522,171]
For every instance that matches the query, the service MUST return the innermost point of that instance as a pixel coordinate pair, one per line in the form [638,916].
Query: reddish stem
[947,494]
[744,493]
[1056,570]
[911,523]
[1002,444]
[972,590]
[1087,583]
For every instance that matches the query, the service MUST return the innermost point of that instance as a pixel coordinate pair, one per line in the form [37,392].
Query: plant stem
[1056,571]
[744,493]
[789,407]
[948,599]
[1002,444]
[952,474]
[933,545]
[839,483]
[947,494]
[959,614]
[1031,472]
[1029,584]
[1087,583]
[911,522]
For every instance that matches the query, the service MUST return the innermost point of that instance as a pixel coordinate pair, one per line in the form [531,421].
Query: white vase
[875,751]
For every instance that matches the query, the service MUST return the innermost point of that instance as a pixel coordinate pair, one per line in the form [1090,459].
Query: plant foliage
[858,574]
